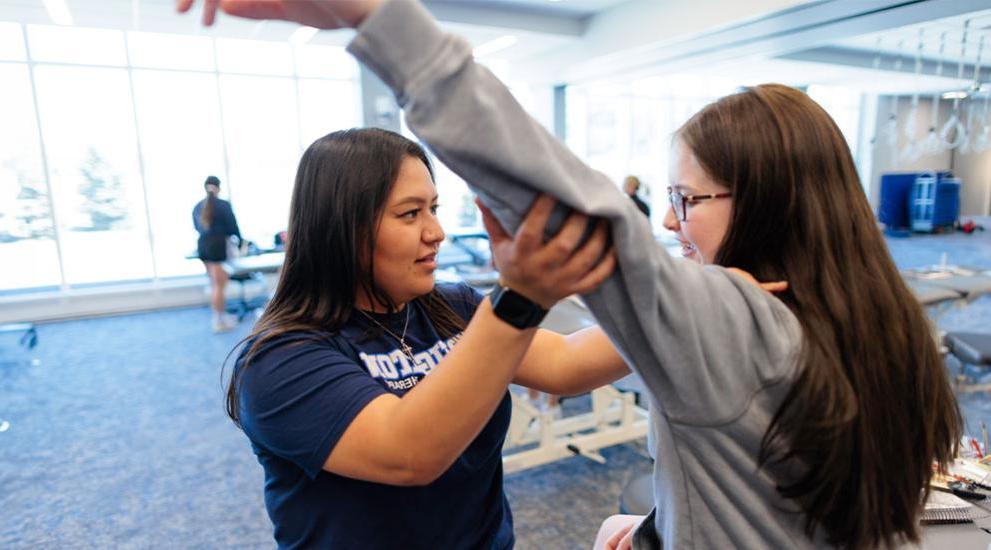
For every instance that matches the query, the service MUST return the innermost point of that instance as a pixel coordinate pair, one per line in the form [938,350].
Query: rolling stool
[637,497]
[243,306]
[970,348]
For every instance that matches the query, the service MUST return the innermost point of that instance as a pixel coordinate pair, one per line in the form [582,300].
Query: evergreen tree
[29,214]
[106,203]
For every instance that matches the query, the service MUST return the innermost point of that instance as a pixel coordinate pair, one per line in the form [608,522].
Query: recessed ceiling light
[954,95]
[493,46]
[58,11]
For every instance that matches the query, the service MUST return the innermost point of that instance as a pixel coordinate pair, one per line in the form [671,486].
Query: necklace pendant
[408,350]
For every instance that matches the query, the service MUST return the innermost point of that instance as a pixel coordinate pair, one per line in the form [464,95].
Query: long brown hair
[342,184]
[871,407]
[210,206]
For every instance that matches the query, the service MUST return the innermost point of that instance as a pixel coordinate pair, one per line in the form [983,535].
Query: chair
[252,268]
[242,307]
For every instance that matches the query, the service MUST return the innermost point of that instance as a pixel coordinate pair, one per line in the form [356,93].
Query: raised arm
[684,328]
[475,126]
[702,339]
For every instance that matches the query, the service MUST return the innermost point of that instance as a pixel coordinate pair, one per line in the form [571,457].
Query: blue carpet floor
[117,436]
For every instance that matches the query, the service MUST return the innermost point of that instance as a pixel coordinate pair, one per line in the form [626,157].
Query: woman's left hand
[546,272]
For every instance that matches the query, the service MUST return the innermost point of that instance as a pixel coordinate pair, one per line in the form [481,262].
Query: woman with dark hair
[214,220]
[360,447]
[807,419]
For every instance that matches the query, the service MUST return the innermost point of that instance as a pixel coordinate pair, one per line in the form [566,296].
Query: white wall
[975,193]
[973,168]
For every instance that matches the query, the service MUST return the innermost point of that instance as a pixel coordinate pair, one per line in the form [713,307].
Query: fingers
[210,11]
[627,542]
[530,235]
[563,245]
[614,541]
[590,253]
[256,9]
[777,286]
[545,273]
[597,275]
[182,6]
[492,226]
[771,286]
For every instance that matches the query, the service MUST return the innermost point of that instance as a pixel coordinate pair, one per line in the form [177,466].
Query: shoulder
[274,365]
[461,296]
[268,353]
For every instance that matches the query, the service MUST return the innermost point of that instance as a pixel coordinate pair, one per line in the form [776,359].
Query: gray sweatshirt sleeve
[703,340]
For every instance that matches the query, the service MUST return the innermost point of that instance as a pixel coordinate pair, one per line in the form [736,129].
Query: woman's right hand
[322,14]
[548,272]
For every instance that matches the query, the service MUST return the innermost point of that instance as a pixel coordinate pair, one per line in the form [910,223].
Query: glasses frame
[679,201]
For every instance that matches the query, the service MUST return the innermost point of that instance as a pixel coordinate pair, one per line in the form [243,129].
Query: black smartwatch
[516,309]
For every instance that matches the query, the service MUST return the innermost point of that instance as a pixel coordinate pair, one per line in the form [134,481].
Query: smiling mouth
[687,248]
[427,258]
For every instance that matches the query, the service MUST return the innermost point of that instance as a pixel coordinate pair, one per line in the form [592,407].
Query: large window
[263,145]
[11,42]
[88,124]
[27,234]
[181,139]
[108,136]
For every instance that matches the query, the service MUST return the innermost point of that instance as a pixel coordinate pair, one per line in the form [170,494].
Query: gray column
[378,105]
[560,112]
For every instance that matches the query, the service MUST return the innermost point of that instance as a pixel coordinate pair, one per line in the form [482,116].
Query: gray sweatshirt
[716,354]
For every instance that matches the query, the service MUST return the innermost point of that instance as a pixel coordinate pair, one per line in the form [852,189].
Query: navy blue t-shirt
[224,222]
[302,390]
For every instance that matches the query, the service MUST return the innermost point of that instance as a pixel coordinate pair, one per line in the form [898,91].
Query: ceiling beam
[792,27]
[508,18]
[852,57]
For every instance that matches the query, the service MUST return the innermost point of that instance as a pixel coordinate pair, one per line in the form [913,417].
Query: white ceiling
[892,72]
[904,42]
[160,16]
[581,8]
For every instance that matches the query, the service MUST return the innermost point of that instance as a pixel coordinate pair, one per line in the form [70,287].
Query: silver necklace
[407,350]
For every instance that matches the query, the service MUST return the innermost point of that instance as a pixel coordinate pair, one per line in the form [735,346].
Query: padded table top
[929,294]
[970,347]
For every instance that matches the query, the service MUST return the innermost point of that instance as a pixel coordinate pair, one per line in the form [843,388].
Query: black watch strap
[515,308]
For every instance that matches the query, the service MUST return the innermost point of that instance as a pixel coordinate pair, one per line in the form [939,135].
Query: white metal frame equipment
[615,418]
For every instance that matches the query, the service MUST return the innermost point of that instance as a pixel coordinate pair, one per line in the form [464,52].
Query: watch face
[516,309]
[515,304]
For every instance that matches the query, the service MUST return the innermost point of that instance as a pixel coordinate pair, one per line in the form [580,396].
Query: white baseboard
[116,300]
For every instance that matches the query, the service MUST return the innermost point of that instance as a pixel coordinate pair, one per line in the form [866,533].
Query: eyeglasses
[679,201]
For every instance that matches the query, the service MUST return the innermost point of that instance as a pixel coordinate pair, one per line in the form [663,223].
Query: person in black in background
[631,184]
[214,221]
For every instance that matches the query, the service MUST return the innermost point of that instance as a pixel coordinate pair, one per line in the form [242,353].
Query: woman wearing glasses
[807,419]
